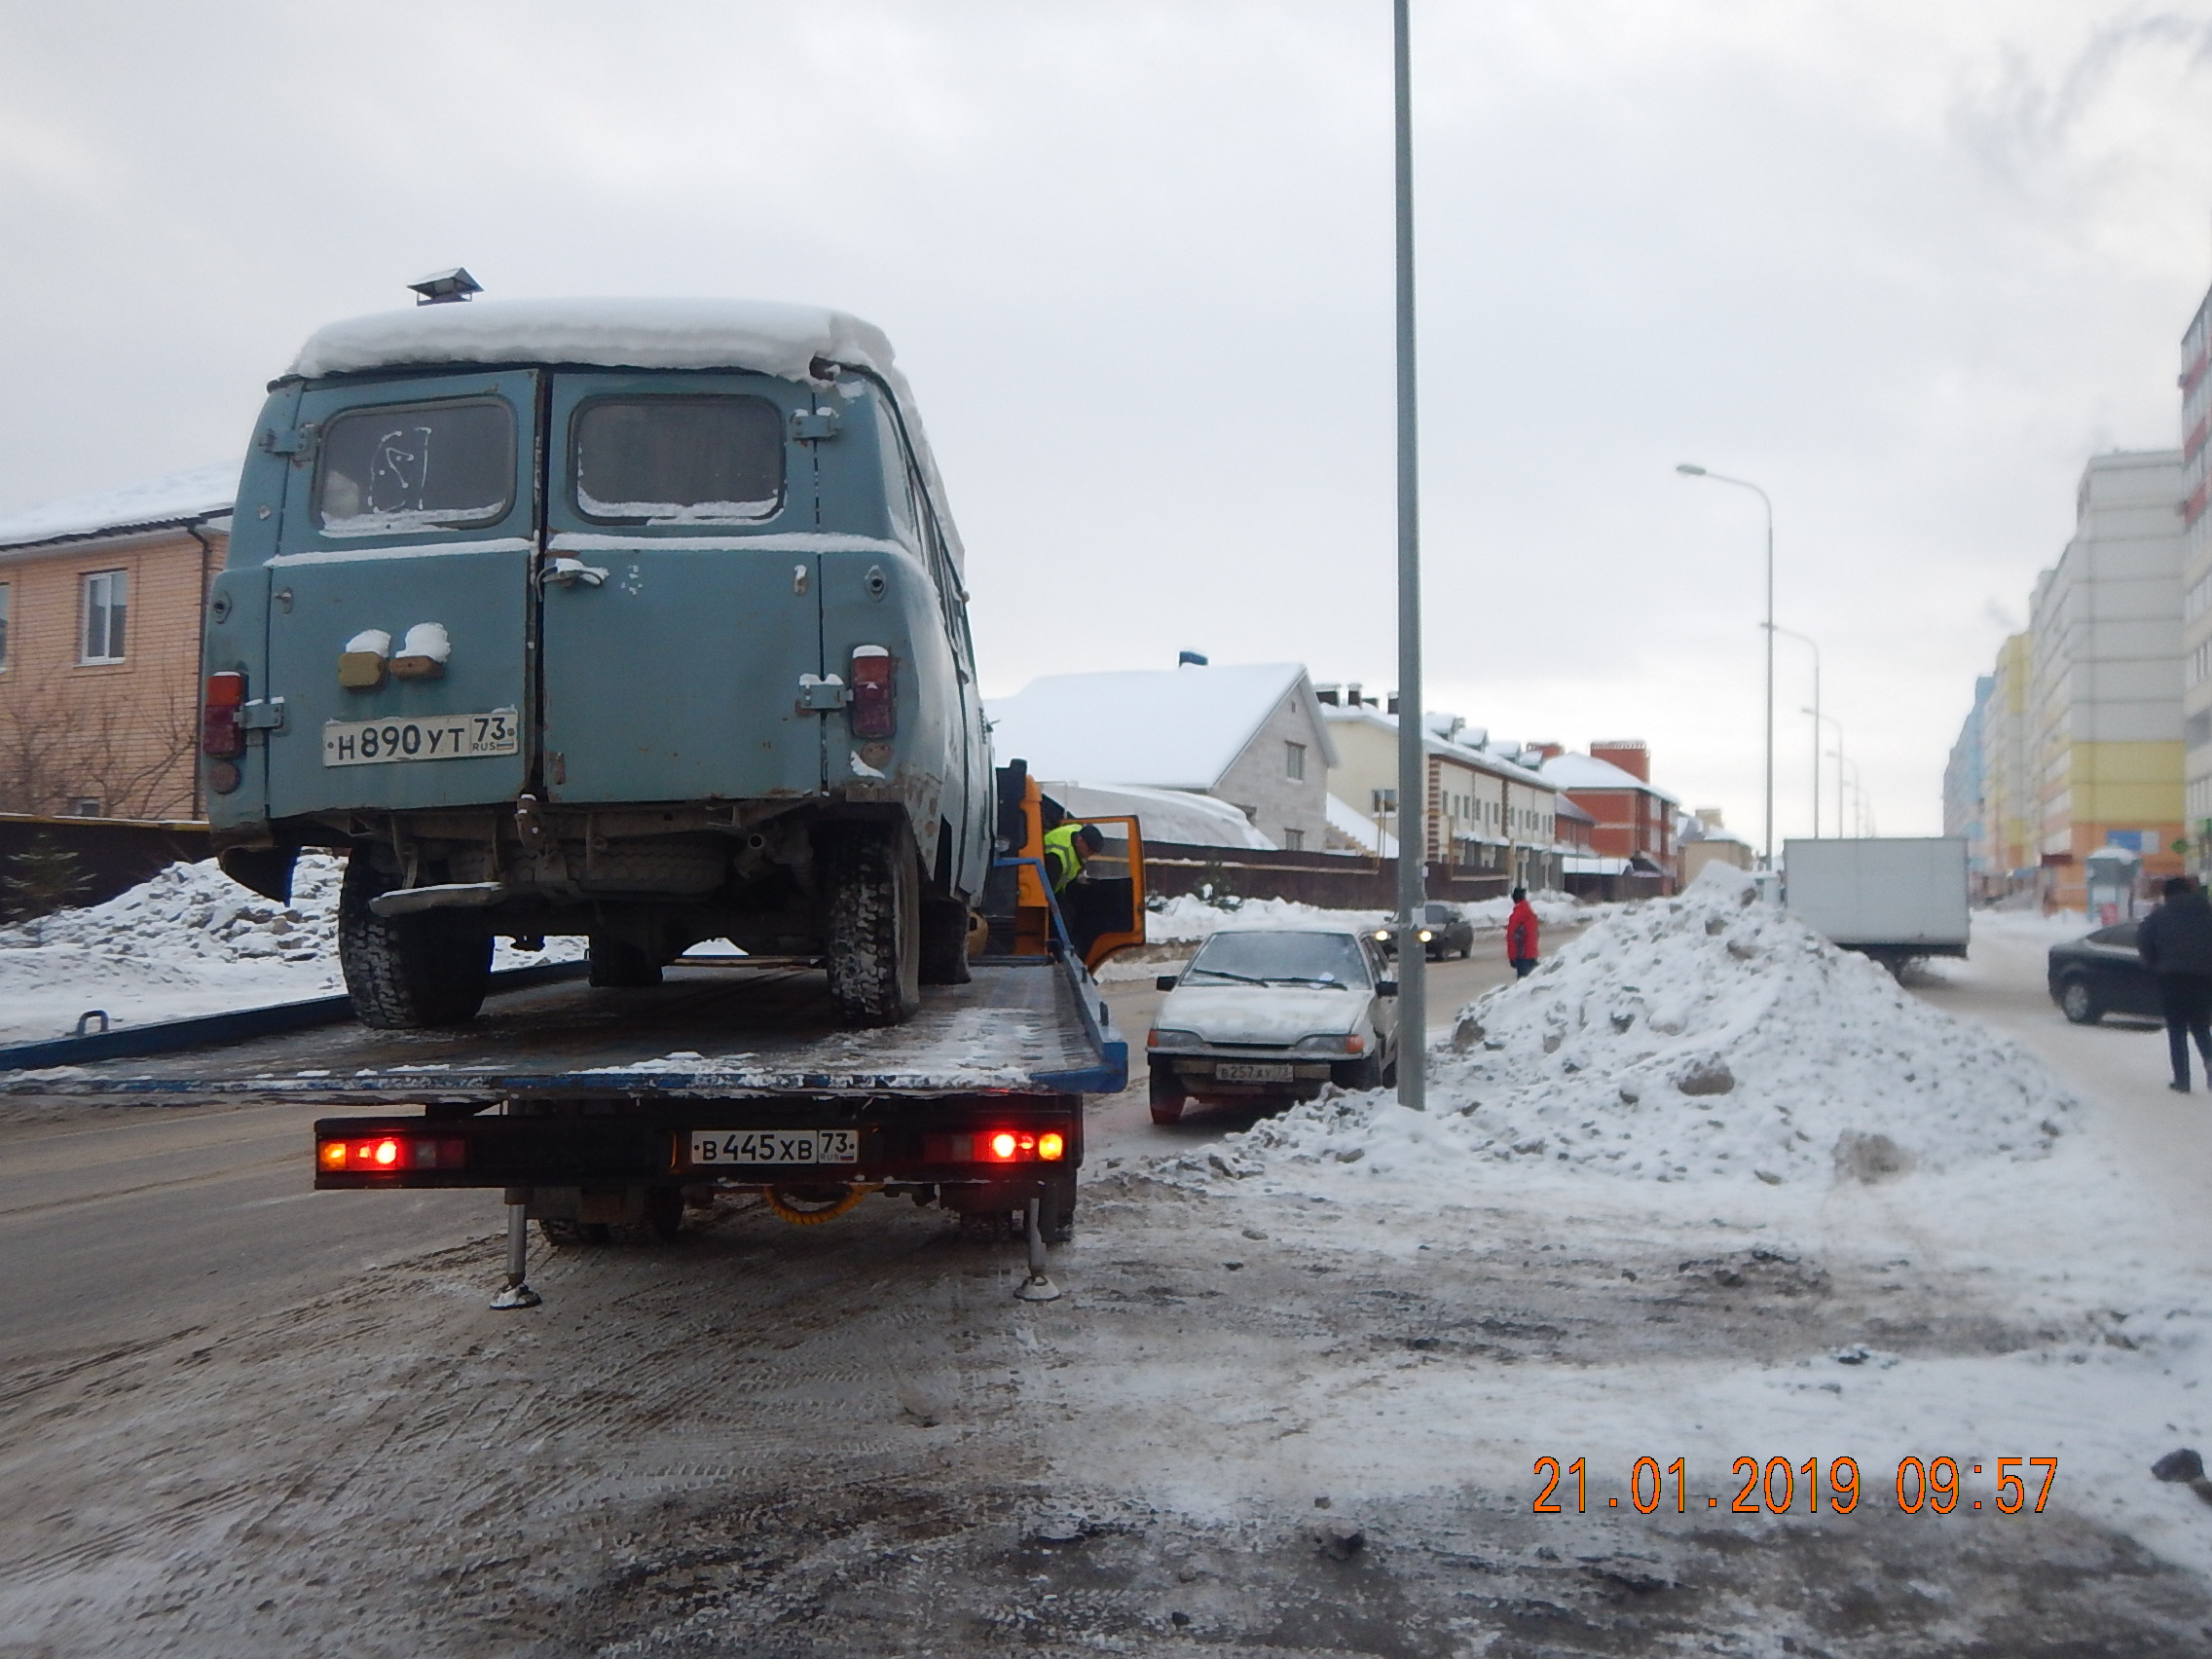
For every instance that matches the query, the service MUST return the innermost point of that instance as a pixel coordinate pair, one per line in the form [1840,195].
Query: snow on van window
[404,467]
[680,459]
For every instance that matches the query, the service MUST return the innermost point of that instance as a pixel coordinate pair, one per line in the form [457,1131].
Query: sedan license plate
[428,737]
[774,1146]
[1240,1071]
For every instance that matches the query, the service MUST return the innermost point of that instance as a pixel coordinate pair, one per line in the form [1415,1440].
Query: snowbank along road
[1294,1401]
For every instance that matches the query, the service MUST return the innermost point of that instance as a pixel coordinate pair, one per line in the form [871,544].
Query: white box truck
[1890,897]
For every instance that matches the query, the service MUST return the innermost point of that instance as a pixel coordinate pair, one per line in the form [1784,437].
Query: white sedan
[1274,1014]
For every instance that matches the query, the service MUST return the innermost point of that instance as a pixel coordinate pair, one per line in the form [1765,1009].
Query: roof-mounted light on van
[446,287]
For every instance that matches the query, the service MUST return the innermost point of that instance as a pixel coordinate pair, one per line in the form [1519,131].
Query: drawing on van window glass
[424,466]
[680,459]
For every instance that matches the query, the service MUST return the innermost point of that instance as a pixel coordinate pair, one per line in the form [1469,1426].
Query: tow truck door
[681,603]
[412,513]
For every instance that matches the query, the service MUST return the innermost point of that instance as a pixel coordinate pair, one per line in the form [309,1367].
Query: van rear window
[679,460]
[416,466]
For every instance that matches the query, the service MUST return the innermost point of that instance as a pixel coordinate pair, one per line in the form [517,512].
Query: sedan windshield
[1282,958]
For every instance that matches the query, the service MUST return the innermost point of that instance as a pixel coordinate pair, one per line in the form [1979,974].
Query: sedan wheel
[2079,1003]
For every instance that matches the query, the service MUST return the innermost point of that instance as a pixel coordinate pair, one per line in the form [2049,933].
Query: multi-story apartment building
[1636,821]
[100,602]
[2196,583]
[2008,779]
[1966,788]
[2105,712]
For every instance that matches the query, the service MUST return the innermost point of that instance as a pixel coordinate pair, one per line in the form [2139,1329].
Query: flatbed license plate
[775,1146]
[430,737]
[1240,1071]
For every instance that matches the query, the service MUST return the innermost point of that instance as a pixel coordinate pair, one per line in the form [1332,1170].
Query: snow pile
[1187,920]
[188,941]
[1706,1036]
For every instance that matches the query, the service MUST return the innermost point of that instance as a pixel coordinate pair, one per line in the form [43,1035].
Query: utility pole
[1690,470]
[1413,758]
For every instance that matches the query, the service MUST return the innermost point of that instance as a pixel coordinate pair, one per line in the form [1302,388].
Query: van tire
[617,964]
[405,973]
[944,943]
[873,927]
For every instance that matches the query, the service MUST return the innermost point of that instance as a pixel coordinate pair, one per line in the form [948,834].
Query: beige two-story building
[100,604]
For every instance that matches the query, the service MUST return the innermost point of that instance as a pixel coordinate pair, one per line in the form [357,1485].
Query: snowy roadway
[245,1419]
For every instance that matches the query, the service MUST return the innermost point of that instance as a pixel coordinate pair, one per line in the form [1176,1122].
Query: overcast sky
[1905,263]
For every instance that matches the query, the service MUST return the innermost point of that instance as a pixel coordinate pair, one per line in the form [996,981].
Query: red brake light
[1002,1145]
[874,709]
[221,737]
[390,1154]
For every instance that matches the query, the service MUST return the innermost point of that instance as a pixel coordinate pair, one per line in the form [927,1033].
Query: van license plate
[775,1146]
[434,737]
[1239,1071]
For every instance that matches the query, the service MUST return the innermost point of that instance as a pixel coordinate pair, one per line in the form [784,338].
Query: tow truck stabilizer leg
[518,1293]
[1037,1287]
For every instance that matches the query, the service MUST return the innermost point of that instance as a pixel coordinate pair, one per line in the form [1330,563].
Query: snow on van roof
[761,335]
[765,336]
[177,497]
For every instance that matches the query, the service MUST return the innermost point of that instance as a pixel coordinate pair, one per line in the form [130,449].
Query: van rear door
[680,619]
[399,596]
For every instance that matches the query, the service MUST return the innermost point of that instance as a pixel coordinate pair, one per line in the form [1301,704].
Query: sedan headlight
[1159,1039]
[1332,1045]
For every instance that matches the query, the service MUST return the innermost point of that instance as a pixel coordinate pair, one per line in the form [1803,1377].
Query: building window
[1294,840]
[107,597]
[7,592]
[1294,760]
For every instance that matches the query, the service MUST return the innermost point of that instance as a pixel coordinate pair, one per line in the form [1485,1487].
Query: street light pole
[1817,718]
[1815,712]
[1688,469]
[1413,758]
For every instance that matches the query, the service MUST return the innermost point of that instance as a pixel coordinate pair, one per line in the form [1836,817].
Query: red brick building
[1635,820]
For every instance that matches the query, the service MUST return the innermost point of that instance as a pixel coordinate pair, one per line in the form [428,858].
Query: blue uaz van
[635,619]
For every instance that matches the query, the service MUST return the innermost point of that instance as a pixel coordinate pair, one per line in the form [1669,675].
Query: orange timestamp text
[1778,1486]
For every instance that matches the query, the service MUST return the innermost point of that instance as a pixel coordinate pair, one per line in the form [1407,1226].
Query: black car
[1445,930]
[2102,974]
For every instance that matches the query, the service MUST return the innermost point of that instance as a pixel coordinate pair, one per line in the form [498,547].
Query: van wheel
[2079,1003]
[432,968]
[618,964]
[945,941]
[1167,1097]
[874,924]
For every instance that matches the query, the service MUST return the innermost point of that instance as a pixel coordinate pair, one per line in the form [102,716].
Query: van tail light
[874,710]
[221,737]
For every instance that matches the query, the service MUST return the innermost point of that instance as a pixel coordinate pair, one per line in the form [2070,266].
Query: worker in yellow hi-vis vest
[1067,849]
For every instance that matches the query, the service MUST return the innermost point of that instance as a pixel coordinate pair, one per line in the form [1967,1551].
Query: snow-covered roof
[765,336]
[179,497]
[1163,815]
[1177,728]
[761,335]
[1482,759]
[1587,772]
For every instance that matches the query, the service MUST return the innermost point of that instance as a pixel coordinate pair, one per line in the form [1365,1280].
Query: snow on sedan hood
[1261,1013]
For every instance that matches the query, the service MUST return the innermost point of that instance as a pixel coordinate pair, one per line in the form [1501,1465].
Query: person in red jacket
[1521,935]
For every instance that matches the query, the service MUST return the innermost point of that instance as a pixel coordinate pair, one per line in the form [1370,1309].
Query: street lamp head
[1690,471]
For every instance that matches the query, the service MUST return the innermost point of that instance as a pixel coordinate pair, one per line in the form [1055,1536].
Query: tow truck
[604,1113]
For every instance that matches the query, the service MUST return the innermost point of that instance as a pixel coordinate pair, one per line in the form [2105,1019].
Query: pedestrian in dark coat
[2175,942]
[1521,943]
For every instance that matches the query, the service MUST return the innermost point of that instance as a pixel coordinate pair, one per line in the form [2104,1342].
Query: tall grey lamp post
[1815,712]
[1688,469]
[1817,718]
[1413,758]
